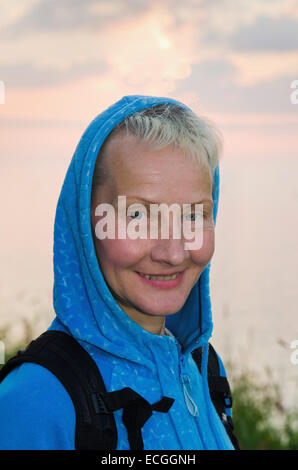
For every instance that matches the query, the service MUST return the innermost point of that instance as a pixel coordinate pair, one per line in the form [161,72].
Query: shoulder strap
[74,367]
[220,391]
[94,406]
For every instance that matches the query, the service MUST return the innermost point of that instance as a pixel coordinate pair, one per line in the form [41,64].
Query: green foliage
[261,422]
[28,336]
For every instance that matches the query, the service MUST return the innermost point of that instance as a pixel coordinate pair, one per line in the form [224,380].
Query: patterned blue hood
[82,301]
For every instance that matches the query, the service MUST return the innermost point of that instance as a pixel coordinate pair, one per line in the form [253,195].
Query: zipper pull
[185,380]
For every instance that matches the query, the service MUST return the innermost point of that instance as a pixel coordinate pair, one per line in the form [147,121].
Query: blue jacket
[36,412]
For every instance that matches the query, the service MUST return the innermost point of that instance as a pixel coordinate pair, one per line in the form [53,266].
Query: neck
[152,323]
[155,324]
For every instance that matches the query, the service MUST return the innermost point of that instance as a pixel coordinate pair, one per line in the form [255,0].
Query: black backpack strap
[62,355]
[96,429]
[219,388]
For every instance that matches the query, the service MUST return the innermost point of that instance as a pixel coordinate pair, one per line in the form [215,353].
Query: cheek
[120,253]
[205,253]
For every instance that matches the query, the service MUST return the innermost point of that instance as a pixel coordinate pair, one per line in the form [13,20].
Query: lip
[162,274]
[162,284]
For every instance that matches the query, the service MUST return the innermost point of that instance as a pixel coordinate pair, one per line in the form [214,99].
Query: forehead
[135,166]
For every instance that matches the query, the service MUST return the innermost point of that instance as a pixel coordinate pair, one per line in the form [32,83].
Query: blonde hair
[164,125]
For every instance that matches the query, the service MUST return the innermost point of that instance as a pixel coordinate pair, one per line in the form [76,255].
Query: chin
[160,310]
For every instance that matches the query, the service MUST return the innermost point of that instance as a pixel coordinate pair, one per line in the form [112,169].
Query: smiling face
[158,176]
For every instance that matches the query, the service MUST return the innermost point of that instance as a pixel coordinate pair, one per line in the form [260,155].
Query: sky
[62,62]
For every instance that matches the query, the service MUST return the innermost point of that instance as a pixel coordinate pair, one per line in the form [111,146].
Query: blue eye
[194,215]
[135,212]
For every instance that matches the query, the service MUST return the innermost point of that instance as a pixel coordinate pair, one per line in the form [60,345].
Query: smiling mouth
[160,278]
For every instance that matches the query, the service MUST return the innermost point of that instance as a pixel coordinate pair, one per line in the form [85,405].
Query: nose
[169,251]
[169,246]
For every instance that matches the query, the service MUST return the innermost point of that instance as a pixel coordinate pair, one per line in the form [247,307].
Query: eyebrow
[146,201]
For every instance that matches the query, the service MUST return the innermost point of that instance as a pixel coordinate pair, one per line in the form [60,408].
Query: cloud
[56,15]
[145,47]
[27,75]
[216,88]
[137,39]
[12,12]
[150,50]
[267,34]
[257,67]
[154,50]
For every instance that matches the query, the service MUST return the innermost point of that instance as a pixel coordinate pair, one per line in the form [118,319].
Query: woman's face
[157,176]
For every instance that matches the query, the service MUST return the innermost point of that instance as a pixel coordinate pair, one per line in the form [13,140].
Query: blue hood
[82,300]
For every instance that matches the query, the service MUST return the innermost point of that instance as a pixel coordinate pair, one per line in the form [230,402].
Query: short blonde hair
[164,125]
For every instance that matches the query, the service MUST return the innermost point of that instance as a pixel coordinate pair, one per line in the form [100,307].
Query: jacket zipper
[191,405]
[186,385]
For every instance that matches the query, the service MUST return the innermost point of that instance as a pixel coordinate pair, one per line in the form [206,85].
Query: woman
[138,305]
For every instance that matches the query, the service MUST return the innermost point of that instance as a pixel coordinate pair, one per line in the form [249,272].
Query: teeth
[160,278]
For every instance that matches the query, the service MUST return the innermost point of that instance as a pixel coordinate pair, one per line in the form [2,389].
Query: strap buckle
[228,396]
